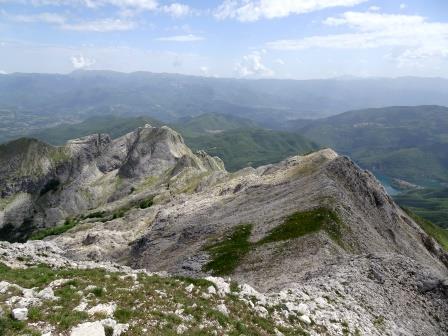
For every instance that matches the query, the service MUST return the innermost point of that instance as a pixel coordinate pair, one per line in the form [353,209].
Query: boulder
[88,329]
[20,314]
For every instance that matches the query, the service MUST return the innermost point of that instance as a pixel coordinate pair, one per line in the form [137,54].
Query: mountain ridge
[315,230]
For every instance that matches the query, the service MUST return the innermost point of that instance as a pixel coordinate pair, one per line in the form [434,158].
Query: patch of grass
[438,233]
[379,322]
[302,223]
[123,315]
[11,327]
[97,214]
[54,231]
[146,203]
[227,254]
[98,291]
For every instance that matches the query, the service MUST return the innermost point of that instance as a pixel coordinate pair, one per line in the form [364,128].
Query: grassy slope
[251,147]
[158,299]
[404,142]
[209,122]
[439,234]
[429,204]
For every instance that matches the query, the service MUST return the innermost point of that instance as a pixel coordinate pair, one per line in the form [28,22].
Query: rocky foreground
[143,236]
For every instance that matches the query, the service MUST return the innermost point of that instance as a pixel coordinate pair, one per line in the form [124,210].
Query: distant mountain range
[29,102]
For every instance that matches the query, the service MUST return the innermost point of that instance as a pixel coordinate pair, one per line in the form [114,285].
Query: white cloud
[136,4]
[41,17]
[414,35]
[3,72]
[181,38]
[204,71]
[104,25]
[403,6]
[374,8]
[177,10]
[81,62]
[253,10]
[280,61]
[252,66]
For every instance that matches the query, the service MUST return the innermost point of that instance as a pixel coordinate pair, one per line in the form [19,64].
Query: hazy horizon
[313,39]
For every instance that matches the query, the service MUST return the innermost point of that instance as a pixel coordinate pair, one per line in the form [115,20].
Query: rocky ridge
[366,269]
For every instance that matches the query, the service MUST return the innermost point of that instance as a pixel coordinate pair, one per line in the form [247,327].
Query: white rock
[246,290]
[28,293]
[321,302]
[20,314]
[189,288]
[118,328]
[222,286]
[107,309]
[47,294]
[88,329]
[211,290]
[81,307]
[303,309]
[58,283]
[261,311]
[181,328]
[4,285]
[223,309]
[305,319]
[27,302]
[278,332]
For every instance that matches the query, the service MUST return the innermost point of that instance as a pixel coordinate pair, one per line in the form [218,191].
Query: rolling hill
[36,101]
[409,143]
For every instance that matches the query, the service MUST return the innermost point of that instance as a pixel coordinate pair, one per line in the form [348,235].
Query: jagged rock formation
[42,185]
[347,251]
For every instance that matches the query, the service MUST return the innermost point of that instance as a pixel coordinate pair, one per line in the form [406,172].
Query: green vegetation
[212,123]
[303,223]
[54,231]
[146,203]
[227,253]
[251,147]
[157,299]
[431,204]
[407,143]
[438,233]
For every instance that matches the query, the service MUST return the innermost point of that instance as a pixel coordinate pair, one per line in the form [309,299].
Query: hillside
[210,123]
[305,243]
[247,147]
[428,203]
[407,143]
[29,102]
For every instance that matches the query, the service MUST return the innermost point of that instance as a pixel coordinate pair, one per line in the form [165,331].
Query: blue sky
[298,39]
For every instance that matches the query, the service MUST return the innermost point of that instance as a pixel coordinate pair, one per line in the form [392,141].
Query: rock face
[42,185]
[373,266]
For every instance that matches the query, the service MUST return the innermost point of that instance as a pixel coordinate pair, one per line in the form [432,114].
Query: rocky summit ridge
[311,245]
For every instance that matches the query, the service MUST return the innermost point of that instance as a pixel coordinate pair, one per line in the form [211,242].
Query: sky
[297,39]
